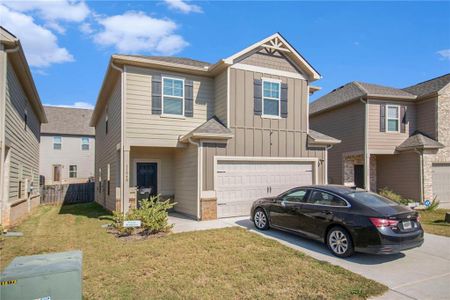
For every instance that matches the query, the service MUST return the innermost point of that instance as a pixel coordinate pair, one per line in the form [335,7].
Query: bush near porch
[230,263]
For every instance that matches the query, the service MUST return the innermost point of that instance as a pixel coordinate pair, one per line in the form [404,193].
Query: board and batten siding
[400,173]
[22,140]
[220,93]
[345,123]
[106,149]
[426,114]
[386,142]
[186,180]
[142,128]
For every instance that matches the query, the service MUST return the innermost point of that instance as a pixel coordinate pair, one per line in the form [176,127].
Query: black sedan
[346,219]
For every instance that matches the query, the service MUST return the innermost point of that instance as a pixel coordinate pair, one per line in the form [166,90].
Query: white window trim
[76,171]
[88,143]
[387,118]
[60,143]
[271,98]
[163,114]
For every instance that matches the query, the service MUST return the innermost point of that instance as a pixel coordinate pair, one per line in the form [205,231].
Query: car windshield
[371,199]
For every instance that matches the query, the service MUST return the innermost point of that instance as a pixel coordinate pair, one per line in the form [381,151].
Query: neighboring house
[67,151]
[395,138]
[212,137]
[21,115]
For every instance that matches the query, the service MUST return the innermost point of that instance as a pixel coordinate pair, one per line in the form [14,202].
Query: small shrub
[434,205]
[118,219]
[387,193]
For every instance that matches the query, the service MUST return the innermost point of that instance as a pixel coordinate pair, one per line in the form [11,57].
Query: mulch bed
[137,234]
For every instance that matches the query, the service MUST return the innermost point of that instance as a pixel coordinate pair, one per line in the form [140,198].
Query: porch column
[126,179]
[367,171]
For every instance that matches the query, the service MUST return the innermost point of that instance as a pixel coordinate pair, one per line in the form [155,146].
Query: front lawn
[433,222]
[229,263]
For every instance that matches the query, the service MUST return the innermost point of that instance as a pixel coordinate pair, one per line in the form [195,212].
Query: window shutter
[188,98]
[284,99]
[257,94]
[403,120]
[382,117]
[156,94]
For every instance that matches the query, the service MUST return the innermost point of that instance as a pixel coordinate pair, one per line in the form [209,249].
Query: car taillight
[379,222]
[418,218]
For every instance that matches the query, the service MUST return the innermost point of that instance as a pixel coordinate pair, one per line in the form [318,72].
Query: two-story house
[21,115]
[67,152]
[212,137]
[394,138]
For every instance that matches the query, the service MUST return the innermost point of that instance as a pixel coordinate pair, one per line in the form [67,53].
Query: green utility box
[51,276]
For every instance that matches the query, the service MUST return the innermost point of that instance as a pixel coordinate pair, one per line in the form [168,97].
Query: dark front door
[146,179]
[359,176]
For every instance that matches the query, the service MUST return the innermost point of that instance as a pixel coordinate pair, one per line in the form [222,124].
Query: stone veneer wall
[208,209]
[358,159]
[428,159]
[373,173]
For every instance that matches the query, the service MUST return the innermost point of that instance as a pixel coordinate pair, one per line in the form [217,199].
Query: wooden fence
[68,193]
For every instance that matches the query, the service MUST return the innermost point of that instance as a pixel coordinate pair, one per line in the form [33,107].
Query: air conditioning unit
[47,276]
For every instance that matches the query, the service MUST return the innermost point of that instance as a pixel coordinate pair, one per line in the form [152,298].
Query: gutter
[199,175]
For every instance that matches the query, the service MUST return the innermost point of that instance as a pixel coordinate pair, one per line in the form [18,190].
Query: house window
[271,98]
[106,120]
[25,119]
[84,143]
[72,171]
[173,96]
[393,118]
[57,142]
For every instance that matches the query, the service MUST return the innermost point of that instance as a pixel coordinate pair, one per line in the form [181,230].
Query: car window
[323,198]
[296,196]
[372,199]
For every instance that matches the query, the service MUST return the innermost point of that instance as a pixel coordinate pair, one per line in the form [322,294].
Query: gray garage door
[441,184]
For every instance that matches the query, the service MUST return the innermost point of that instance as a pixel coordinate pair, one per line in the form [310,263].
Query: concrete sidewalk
[422,273]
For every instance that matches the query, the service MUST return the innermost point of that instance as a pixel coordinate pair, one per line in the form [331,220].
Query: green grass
[433,222]
[230,263]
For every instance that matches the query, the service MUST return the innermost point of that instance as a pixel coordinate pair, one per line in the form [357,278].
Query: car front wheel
[340,242]
[260,219]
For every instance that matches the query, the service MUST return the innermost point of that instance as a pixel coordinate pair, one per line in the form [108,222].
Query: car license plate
[407,225]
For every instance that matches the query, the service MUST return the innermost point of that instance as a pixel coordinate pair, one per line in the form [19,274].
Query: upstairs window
[173,96]
[271,98]
[85,143]
[57,142]
[73,171]
[106,120]
[393,118]
[25,119]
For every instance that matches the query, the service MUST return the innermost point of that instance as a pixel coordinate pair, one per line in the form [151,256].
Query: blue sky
[68,44]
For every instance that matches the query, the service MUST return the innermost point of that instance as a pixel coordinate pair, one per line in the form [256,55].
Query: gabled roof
[354,91]
[19,61]
[212,129]
[68,121]
[430,86]
[318,138]
[172,59]
[419,141]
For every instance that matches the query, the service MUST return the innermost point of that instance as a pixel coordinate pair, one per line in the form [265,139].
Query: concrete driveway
[422,273]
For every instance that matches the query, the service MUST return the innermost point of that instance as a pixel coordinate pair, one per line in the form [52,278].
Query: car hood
[388,211]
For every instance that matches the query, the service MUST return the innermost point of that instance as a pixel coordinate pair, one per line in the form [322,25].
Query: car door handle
[327,212]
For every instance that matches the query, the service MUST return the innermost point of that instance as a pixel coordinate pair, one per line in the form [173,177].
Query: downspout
[199,165]
[420,174]
[366,146]
[325,169]
[2,125]
[122,164]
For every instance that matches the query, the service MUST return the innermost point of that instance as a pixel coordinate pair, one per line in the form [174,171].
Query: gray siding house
[21,115]
[67,152]
[394,138]
[211,137]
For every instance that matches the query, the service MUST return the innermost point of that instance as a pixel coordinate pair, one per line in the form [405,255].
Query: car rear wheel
[260,219]
[340,242]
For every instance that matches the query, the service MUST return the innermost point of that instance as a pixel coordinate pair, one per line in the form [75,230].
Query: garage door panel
[239,183]
[441,183]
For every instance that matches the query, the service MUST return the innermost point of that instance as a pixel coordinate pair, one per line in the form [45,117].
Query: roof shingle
[430,86]
[174,60]
[211,128]
[65,120]
[419,141]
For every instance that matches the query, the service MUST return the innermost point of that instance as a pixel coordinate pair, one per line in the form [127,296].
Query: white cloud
[86,28]
[183,6]
[135,31]
[78,104]
[444,54]
[40,44]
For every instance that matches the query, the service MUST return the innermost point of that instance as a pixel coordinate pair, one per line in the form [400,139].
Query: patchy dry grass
[229,263]
[433,222]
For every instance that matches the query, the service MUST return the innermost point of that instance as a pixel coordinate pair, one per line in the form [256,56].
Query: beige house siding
[386,142]
[164,157]
[220,94]
[142,128]
[426,115]
[107,151]
[345,123]
[275,61]
[69,154]
[23,143]
[186,180]
[400,173]
[443,125]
